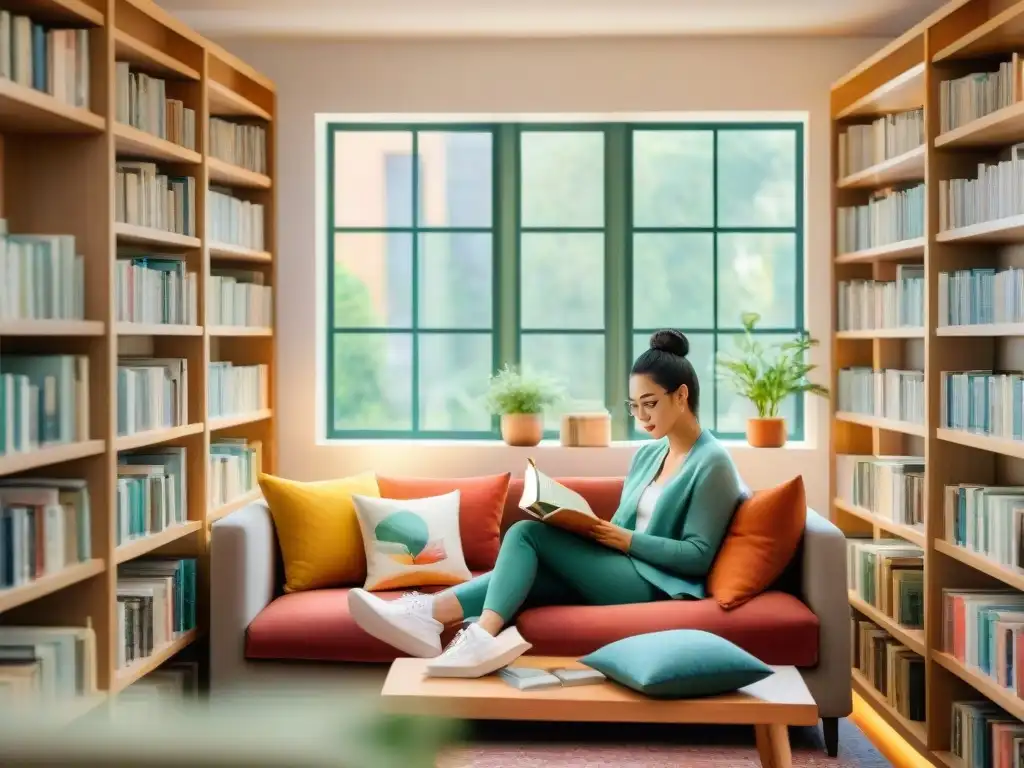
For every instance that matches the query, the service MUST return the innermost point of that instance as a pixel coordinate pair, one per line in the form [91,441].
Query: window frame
[506,275]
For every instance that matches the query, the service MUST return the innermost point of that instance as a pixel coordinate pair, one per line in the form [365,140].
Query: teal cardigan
[690,519]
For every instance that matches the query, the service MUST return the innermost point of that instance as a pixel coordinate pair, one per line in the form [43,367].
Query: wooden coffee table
[770,705]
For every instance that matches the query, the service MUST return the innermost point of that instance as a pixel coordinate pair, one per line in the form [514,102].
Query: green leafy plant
[512,391]
[767,374]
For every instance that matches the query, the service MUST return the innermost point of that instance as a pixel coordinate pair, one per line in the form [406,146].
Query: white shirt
[645,507]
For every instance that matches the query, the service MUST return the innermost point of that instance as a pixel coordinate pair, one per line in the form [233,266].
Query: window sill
[545,445]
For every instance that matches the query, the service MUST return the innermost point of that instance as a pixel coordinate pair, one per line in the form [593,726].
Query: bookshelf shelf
[52,328]
[83,173]
[143,667]
[12,463]
[155,437]
[235,176]
[912,638]
[902,531]
[877,422]
[227,422]
[229,252]
[131,142]
[906,167]
[47,585]
[233,506]
[139,547]
[152,60]
[158,329]
[924,472]
[1002,127]
[905,249]
[882,333]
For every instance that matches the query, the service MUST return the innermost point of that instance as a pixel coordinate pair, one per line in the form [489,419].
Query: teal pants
[539,564]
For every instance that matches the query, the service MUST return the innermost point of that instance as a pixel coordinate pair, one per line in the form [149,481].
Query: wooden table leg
[773,746]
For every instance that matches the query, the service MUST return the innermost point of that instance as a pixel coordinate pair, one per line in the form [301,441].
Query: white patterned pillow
[411,542]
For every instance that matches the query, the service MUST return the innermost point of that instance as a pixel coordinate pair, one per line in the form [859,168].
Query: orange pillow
[762,539]
[481,506]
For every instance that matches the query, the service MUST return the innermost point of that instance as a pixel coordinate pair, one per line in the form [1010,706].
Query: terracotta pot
[522,429]
[766,433]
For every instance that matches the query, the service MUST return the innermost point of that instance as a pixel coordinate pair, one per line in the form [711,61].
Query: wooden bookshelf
[60,175]
[961,38]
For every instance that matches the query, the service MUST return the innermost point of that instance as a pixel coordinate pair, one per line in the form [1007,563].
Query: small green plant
[514,392]
[766,378]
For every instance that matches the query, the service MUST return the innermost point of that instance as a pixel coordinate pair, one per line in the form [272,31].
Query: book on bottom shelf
[47,663]
[156,602]
[891,668]
[984,736]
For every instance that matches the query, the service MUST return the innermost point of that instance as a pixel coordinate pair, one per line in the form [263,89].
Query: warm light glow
[893,746]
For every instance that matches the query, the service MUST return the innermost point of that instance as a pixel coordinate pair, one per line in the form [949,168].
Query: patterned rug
[519,745]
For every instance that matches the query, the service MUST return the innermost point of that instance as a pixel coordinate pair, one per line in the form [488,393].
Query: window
[454,249]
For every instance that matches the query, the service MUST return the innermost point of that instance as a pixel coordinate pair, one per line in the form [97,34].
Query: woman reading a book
[677,502]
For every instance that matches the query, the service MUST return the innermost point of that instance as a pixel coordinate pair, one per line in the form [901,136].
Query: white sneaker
[407,624]
[474,653]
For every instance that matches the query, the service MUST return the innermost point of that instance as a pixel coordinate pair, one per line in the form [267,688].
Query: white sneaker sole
[483,668]
[362,606]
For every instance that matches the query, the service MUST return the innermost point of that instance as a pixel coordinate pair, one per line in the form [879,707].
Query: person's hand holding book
[612,536]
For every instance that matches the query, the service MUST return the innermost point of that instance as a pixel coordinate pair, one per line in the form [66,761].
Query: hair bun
[671,341]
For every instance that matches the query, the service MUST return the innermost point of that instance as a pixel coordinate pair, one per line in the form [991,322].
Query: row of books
[141,101]
[890,667]
[891,487]
[44,400]
[974,95]
[890,216]
[981,296]
[146,197]
[171,686]
[889,393]
[151,492]
[983,402]
[155,289]
[888,574]
[996,193]
[152,393]
[983,735]
[981,628]
[876,304]
[237,389]
[862,146]
[53,61]
[45,526]
[233,221]
[156,602]
[239,298]
[239,144]
[234,466]
[985,519]
[42,277]
[49,665]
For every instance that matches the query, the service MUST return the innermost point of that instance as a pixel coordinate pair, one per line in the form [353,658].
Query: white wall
[529,76]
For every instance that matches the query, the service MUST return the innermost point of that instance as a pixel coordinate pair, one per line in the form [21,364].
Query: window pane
[757,178]
[734,410]
[454,279]
[373,179]
[562,179]
[673,280]
[372,280]
[673,178]
[701,357]
[757,273]
[372,381]
[576,361]
[456,179]
[453,373]
[562,280]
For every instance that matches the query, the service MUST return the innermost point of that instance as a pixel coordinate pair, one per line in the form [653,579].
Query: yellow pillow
[318,530]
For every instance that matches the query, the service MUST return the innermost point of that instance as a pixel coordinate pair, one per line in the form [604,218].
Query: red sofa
[800,621]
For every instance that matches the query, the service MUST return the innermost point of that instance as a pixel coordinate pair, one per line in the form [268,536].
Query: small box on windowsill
[587,430]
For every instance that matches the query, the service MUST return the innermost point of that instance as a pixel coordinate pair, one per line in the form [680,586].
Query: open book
[553,503]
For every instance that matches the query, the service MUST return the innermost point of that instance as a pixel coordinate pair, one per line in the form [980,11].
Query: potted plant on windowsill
[766,376]
[520,399]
